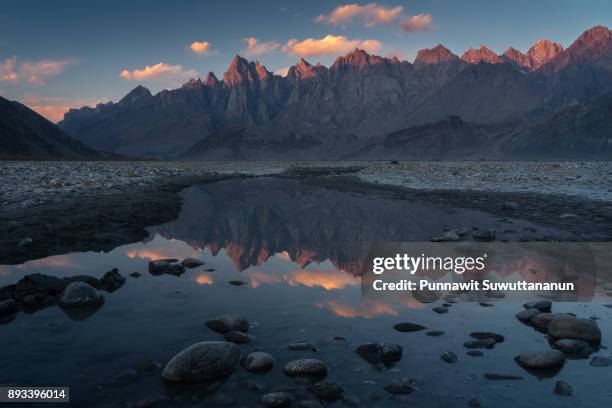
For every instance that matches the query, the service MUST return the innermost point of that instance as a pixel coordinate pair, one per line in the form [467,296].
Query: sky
[55,55]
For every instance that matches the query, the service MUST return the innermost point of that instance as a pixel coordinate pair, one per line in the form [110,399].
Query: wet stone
[327,390]
[498,338]
[542,306]
[434,333]
[475,353]
[599,361]
[449,357]
[79,294]
[306,367]
[382,352]
[546,359]
[302,346]
[571,346]
[258,361]
[440,309]
[202,361]
[406,327]
[229,322]
[563,388]
[237,337]
[573,328]
[400,388]
[478,344]
[526,316]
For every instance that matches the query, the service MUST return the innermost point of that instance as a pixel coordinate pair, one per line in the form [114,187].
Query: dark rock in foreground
[383,352]
[258,361]
[229,322]
[573,328]
[307,367]
[546,359]
[202,361]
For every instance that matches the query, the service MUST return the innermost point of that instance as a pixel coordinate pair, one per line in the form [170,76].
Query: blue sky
[57,54]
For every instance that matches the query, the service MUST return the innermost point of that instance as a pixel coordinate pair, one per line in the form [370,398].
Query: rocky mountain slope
[320,112]
[24,134]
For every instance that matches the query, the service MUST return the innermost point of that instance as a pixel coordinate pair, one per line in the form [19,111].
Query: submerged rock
[400,388]
[599,361]
[111,281]
[546,359]
[573,328]
[327,391]
[202,361]
[80,294]
[498,338]
[306,367]
[563,388]
[526,316]
[571,346]
[434,333]
[276,400]
[449,357]
[541,305]
[190,263]
[229,322]
[381,352]
[302,346]
[406,327]
[237,337]
[542,320]
[258,361]
[478,344]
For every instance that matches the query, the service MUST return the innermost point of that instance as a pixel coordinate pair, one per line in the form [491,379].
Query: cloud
[254,47]
[329,45]
[282,72]
[419,22]
[36,73]
[53,108]
[201,47]
[159,71]
[370,14]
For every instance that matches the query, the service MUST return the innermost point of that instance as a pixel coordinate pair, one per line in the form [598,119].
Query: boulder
[258,361]
[202,361]
[578,329]
[80,294]
[546,359]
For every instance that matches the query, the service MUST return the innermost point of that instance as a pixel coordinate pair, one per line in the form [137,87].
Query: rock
[79,294]
[546,359]
[542,305]
[406,327]
[308,404]
[229,322]
[302,346]
[486,304]
[599,361]
[327,391]
[252,385]
[381,352]
[498,338]
[476,403]
[148,366]
[542,320]
[166,266]
[450,236]
[202,361]
[434,333]
[526,316]
[111,281]
[571,346]
[135,275]
[475,353]
[351,400]
[238,282]
[400,388]
[307,367]
[449,357]
[578,329]
[440,309]
[276,400]
[25,242]
[237,337]
[7,307]
[563,388]
[499,377]
[477,344]
[258,361]
[190,263]
[484,234]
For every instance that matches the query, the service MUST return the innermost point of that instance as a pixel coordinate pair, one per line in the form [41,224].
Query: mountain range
[549,102]
[24,134]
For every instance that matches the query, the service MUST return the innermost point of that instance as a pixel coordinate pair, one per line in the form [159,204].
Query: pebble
[258,361]
[546,359]
[308,367]
[599,361]
[563,388]
[276,400]
[229,322]
[202,361]
[434,333]
[449,357]
[406,327]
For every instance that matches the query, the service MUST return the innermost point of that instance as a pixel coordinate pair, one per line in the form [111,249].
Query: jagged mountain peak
[481,54]
[435,55]
[542,52]
[304,70]
[192,83]
[137,94]
[211,79]
[357,58]
[588,47]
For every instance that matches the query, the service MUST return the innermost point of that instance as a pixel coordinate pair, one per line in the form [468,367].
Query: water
[298,249]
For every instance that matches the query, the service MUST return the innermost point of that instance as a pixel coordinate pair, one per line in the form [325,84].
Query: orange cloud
[282,72]
[329,280]
[365,310]
[254,47]
[257,278]
[370,14]
[419,22]
[329,45]
[53,108]
[159,71]
[35,73]
[201,47]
